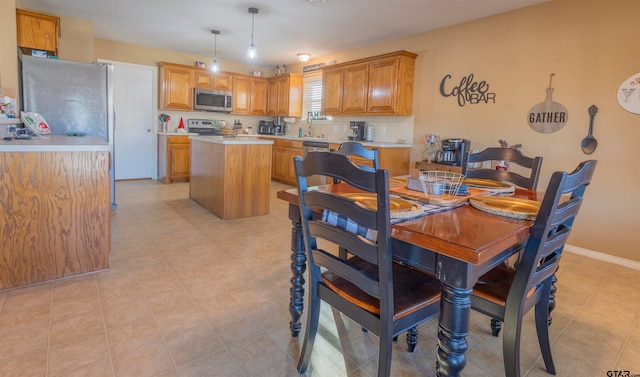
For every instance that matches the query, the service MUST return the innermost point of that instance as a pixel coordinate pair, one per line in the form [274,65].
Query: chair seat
[494,285]
[413,290]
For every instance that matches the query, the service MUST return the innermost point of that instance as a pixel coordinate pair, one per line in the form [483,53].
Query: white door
[134,96]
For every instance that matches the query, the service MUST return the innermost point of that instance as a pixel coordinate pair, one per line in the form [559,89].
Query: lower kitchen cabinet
[285,151]
[173,157]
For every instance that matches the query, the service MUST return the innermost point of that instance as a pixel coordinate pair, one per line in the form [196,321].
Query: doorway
[135,140]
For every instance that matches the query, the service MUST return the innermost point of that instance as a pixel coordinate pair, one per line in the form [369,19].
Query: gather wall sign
[548,116]
[468,90]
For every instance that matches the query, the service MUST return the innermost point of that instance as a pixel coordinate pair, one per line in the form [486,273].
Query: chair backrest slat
[352,148]
[362,247]
[365,281]
[337,204]
[509,155]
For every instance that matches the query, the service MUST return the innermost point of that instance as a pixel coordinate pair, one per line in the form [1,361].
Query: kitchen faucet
[309,131]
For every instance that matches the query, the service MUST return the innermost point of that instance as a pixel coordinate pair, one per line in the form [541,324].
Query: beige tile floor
[191,295]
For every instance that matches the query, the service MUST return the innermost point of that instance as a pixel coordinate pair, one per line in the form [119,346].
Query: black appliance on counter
[453,152]
[203,127]
[358,131]
[268,127]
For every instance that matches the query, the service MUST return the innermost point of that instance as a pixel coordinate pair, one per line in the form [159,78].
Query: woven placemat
[508,207]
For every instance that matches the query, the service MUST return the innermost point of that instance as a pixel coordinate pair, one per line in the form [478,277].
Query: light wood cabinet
[354,97]
[231,180]
[206,79]
[249,95]
[176,87]
[283,152]
[332,90]
[56,215]
[37,31]
[285,95]
[174,158]
[379,85]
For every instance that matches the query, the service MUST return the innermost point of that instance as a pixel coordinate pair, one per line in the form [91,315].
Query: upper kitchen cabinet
[354,94]
[176,87]
[285,95]
[205,79]
[249,95]
[378,85]
[37,31]
[332,90]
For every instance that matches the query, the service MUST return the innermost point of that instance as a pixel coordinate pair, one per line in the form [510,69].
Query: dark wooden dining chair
[505,154]
[382,296]
[355,149]
[506,293]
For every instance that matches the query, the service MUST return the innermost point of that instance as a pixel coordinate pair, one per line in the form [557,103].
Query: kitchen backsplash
[385,128]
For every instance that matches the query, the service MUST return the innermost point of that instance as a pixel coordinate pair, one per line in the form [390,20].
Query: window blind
[312,102]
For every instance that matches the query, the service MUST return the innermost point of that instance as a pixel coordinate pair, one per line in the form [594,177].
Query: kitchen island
[55,208]
[231,177]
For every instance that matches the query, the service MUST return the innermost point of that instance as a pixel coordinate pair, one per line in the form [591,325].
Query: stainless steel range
[203,127]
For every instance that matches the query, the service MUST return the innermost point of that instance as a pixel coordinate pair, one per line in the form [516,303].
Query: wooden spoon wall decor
[590,143]
[548,116]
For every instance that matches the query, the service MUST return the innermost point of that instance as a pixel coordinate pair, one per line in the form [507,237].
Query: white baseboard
[603,257]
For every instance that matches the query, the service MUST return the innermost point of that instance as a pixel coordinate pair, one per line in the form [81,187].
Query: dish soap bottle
[300,132]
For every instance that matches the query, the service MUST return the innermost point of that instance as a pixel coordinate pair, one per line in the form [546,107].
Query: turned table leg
[298,268]
[455,307]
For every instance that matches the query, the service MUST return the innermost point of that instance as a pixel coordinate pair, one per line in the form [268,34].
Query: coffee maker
[454,152]
[358,131]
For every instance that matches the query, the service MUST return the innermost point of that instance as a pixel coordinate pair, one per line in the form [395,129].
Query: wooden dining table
[457,246]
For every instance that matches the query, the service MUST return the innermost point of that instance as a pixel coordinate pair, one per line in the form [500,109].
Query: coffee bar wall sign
[548,116]
[468,90]
[629,94]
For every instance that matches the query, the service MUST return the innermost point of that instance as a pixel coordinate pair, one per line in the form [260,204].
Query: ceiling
[283,28]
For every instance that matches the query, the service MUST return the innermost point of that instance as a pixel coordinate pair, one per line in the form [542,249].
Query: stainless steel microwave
[212,100]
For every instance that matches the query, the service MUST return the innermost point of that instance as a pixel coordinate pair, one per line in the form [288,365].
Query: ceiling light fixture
[252,54]
[215,67]
[304,56]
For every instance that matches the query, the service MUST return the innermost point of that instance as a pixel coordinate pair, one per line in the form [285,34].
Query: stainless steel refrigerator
[73,97]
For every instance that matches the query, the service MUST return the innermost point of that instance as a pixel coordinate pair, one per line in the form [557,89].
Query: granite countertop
[234,140]
[55,143]
[377,144]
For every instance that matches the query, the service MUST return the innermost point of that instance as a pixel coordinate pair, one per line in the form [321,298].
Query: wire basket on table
[228,132]
[438,183]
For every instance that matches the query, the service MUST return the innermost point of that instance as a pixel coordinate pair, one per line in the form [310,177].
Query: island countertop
[55,143]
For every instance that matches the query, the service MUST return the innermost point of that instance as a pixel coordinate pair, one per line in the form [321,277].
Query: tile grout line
[104,326]
[46,369]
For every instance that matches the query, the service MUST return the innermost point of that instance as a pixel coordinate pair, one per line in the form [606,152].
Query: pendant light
[215,67]
[252,54]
